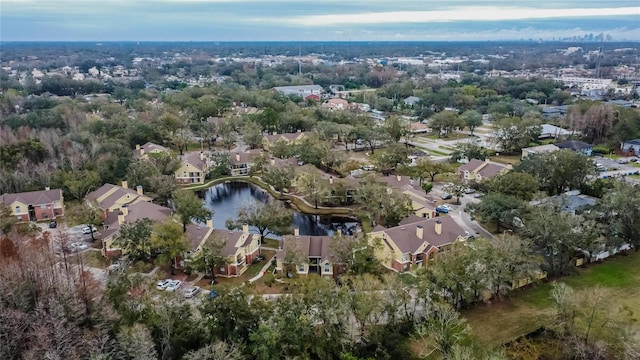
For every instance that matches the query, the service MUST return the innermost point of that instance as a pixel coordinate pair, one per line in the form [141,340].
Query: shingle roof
[33,197]
[471,166]
[406,239]
[109,201]
[573,145]
[193,159]
[149,148]
[490,170]
[311,246]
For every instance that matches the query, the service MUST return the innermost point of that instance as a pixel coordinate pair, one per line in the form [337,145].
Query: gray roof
[406,239]
[32,197]
[573,145]
[632,142]
[311,246]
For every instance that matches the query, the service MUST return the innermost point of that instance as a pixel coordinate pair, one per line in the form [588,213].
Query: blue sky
[321,20]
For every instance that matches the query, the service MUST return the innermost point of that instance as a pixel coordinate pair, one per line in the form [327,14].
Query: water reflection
[226,199]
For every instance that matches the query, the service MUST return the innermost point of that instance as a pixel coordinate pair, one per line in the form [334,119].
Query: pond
[225,200]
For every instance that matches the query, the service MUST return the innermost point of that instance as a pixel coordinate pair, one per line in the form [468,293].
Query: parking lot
[76,235]
[613,164]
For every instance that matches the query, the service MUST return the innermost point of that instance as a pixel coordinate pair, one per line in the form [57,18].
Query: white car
[162,284]
[173,285]
[89,230]
[191,291]
[77,246]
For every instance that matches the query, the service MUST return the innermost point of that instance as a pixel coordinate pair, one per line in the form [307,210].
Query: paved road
[461,217]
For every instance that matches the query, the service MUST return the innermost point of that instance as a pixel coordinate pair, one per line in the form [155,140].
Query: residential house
[193,170]
[142,151]
[129,213]
[478,170]
[300,90]
[270,140]
[35,205]
[571,201]
[411,101]
[240,248]
[413,244]
[316,250]
[553,132]
[418,128]
[631,146]
[423,205]
[576,146]
[111,197]
[539,150]
[241,163]
[336,104]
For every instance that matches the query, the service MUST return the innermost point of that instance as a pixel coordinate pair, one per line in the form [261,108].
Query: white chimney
[399,178]
[275,133]
[201,156]
[296,232]
[438,227]
[245,228]
[210,223]
[331,180]
[141,152]
[120,218]
[419,232]
[137,146]
[46,188]
[124,210]
[273,161]
[339,232]
[124,184]
[139,190]
[238,157]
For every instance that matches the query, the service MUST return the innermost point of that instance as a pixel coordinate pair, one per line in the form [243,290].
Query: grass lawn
[272,243]
[635,164]
[252,271]
[90,258]
[506,159]
[528,309]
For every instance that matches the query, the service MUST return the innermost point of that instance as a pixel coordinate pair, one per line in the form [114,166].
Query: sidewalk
[262,271]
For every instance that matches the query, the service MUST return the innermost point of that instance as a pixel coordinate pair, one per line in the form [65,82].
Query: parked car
[162,284]
[77,246]
[623,161]
[89,230]
[442,209]
[478,195]
[469,191]
[174,285]
[53,224]
[191,291]
[446,196]
[633,159]
[368,167]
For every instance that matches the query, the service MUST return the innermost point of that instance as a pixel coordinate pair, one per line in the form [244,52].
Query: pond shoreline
[300,204]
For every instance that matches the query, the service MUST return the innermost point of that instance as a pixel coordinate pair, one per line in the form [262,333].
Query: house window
[222,269]
[327,267]
[43,207]
[19,217]
[301,268]
[405,257]
[18,209]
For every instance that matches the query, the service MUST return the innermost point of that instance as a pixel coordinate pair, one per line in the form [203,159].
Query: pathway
[262,271]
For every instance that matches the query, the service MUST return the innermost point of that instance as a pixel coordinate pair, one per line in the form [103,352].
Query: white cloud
[458,14]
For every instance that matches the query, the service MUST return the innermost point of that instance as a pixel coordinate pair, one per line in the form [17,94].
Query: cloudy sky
[320,20]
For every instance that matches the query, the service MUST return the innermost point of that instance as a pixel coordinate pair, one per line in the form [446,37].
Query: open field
[506,159]
[529,309]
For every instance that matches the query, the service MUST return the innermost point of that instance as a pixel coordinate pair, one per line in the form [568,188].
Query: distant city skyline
[328,20]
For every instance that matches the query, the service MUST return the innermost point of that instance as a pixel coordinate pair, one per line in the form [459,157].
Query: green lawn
[273,243]
[528,309]
[506,159]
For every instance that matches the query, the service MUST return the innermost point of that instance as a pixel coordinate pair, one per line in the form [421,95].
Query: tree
[137,342]
[210,257]
[87,213]
[620,210]
[445,122]
[513,134]
[227,131]
[380,206]
[169,241]
[393,156]
[520,185]
[355,253]
[216,351]
[134,239]
[472,119]
[220,164]
[252,134]
[395,128]
[7,220]
[190,208]
[163,186]
[497,208]
[455,188]
[280,177]
[140,171]
[558,171]
[469,150]
[267,218]
[445,329]
[78,183]
[312,186]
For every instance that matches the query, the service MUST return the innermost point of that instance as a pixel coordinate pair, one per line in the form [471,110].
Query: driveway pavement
[457,212]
